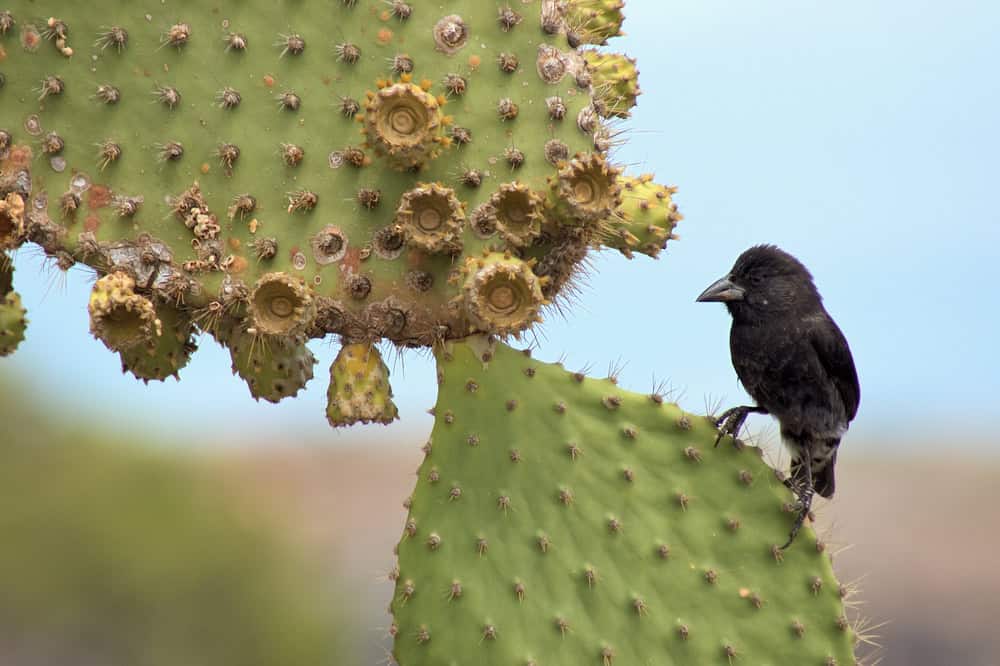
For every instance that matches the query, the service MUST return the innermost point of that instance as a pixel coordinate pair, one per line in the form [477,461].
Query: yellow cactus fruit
[359,388]
[593,21]
[646,218]
[615,80]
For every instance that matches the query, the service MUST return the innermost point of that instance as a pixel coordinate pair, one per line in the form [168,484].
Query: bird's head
[764,281]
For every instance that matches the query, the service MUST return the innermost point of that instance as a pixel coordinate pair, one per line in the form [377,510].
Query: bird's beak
[721,291]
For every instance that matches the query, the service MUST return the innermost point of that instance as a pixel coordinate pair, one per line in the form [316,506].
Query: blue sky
[860,136]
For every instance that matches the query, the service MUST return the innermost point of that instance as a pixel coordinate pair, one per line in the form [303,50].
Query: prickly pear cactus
[558,519]
[270,172]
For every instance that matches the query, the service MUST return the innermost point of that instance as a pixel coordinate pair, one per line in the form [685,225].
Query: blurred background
[860,136]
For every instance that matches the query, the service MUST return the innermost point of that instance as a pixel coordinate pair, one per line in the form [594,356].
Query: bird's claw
[800,519]
[804,506]
[730,423]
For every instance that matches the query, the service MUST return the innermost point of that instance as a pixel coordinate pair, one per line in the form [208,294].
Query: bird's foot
[731,421]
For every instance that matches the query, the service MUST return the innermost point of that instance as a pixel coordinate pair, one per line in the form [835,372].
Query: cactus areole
[271,172]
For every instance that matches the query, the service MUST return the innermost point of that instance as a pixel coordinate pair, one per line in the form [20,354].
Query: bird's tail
[823,479]
[824,460]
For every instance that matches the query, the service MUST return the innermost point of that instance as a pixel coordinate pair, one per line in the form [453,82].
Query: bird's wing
[835,356]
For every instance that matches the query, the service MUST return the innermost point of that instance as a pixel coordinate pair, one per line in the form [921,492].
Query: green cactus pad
[359,388]
[559,519]
[164,355]
[645,220]
[13,322]
[273,368]
[357,153]
[616,82]
[594,21]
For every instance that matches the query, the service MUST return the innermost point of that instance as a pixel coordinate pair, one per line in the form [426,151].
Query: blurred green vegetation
[119,553]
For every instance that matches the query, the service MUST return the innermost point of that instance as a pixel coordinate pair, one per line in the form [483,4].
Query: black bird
[794,362]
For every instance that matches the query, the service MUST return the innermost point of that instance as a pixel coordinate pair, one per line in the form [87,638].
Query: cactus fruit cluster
[272,172]
[558,519]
